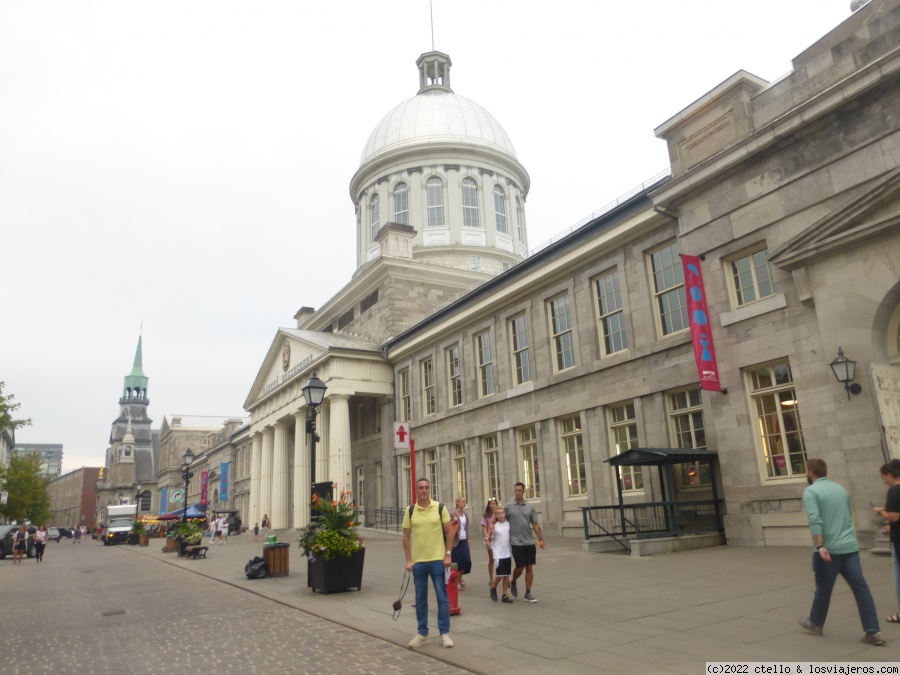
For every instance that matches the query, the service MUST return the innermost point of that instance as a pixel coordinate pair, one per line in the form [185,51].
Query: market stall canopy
[661,456]
[197,510]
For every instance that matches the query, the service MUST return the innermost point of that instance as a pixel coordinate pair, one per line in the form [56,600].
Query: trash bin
[277,559]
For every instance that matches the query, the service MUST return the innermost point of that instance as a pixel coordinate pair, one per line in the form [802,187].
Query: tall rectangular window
[433,474]
[610,316]
[778,420]
[689,431]
[484,347]
[531,474]
[360,497]
[624,432]
[434,199]
[405,408]
[460,469]
[491,456]
[470,203]
[401,204]
[454,375]
[573,456]
[561,332]
[751,277]
[428,402]
[405,479]
[668,289]
[518,335]
[500,210]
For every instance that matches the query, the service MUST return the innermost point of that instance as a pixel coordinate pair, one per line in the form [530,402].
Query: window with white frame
[401,204]
[751,277]
[528,452]
[573,456]
[375,215]
[520,220]
[405,408]
[500,210]
[433,474]
[405,474]
[470,203]
[668,289]
[689,431]
[460,469]
[484,348]
[624,433]
[474,262]
[454,375]
[774,401]
[491,456]
[521,357]
[610,315]
[360,497]
[434,200]
[428,386]
[561,332]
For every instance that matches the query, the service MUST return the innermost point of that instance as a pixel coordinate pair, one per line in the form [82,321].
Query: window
[484,347]
[623,429]
[778,419]
[401,204]
[611,318]
[531,474]
[460,477]
[405,410]
[520,219]
[432,473]
[405,479]
[500,210]
[518,335]
[368,302]
[474,262]
[345,319]
[470,203]
[428,387]
[573,456]
[561,330]
[434,196]
[360,496]
[688,431]
[454,376]
[145,501]
[375,215]
[668,289]
[752,277]
[491,456]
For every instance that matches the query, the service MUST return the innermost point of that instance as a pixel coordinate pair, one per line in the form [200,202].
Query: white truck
[119,521]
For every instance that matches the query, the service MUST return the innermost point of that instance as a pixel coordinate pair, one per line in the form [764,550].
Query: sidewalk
[596,612]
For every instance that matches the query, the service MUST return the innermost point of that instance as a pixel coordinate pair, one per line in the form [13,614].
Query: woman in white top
[460,553]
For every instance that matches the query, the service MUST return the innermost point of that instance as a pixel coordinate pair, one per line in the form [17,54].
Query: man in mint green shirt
[827,506]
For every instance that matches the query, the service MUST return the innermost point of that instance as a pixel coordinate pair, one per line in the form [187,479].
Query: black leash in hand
[404,586]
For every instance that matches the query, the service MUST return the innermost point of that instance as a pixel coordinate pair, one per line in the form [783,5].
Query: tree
[27,488]
[8,406]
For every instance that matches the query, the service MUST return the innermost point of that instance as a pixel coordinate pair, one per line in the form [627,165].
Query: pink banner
[701,330]
[204,484]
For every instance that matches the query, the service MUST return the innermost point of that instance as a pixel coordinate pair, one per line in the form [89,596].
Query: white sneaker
[446,641]
[418,641]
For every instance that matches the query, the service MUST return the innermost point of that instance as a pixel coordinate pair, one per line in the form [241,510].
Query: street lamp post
[187,474]
[314,394]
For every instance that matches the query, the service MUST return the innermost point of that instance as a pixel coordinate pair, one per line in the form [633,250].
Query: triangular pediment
[866,216]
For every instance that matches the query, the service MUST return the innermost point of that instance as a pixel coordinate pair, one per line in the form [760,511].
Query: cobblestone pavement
[94,609]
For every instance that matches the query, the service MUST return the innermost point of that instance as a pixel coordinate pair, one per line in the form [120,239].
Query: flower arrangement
[332,530]
[190,532]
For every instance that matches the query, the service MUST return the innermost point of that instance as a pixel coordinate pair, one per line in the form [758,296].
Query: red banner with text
[701,330]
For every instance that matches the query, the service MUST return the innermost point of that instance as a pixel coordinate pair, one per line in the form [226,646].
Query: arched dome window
[374,215]
[500,210]
[520,219]
[401,204]
[434,199]
[470,203]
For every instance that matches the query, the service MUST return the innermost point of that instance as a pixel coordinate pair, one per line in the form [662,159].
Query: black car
[53,534]
[7,532]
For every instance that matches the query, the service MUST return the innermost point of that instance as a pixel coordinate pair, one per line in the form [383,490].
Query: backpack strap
[440,511]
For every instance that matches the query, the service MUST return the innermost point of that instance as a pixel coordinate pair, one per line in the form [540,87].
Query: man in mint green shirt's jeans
[827,507]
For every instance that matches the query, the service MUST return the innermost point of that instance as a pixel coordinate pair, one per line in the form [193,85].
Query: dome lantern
[434,72]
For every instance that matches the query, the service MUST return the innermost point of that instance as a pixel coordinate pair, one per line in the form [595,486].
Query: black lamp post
[137,497]
[187,474]
[845,371]
[314,394]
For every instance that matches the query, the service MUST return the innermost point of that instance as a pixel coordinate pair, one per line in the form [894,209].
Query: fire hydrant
[453,590]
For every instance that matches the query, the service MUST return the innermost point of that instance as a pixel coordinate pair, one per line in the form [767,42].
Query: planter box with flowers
[332,546]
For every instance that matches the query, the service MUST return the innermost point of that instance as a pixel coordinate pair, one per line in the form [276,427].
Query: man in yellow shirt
[425,536]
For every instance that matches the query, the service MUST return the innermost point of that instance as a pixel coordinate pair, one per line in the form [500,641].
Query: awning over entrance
[661,456]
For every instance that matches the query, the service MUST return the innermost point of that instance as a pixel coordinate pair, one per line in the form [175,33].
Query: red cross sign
[401,435]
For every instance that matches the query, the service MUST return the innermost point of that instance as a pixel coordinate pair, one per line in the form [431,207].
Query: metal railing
[387,518]
[653,519]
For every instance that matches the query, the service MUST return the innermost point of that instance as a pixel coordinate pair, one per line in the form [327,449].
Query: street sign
[176,495]
[401,435]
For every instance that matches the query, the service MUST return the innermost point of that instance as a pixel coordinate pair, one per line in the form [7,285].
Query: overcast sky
[186,164]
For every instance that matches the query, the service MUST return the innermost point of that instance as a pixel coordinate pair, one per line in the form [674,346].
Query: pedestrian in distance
[238,523]
[223,529]
[211,528]
[522,521]
[20,544]
[40,542]
[255,533]
[486,522]
[100,533]
[426,531]
[499,541]
[890,475]
[77,539]
[266,524]
[461,555]
[827,506]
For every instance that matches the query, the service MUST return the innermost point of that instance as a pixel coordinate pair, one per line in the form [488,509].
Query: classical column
[280,512]
[322,464]
[265,476]
[302,493]
[339,442]
[255,515]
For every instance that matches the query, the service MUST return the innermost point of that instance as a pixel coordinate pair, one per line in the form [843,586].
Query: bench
[196,552]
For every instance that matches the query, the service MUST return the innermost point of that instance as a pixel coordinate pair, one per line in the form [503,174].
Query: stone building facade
[73,498]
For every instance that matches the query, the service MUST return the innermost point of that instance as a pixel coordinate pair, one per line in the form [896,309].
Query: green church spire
[136,382]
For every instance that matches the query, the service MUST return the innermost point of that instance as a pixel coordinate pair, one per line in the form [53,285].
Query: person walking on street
[486,522]
[827,506]
[20,544]
[890,475]
[222,527]
[499,541]
[100,533]
[426,532]
[461,555]
[77,539]
[40,542]
[265,526]
[522,520]
[255,532]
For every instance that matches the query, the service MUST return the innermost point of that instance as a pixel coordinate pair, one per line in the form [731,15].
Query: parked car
[6,540]
[66,532]
[53,534]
